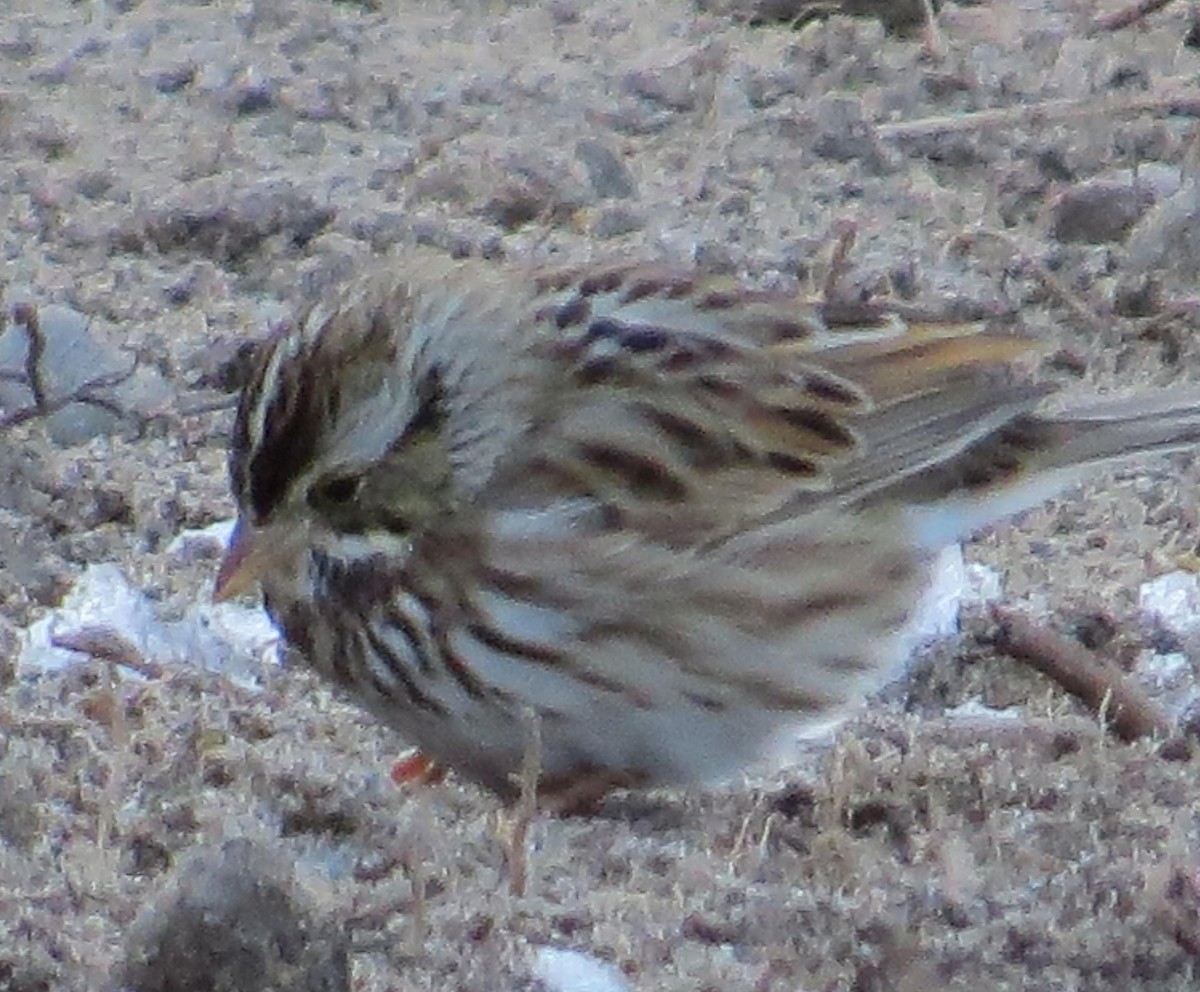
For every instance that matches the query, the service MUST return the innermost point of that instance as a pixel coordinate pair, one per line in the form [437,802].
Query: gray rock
[1099,211]
[89,389]
[1166,240]
[605,170]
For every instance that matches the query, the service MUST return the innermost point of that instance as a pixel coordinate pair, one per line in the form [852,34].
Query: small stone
[516,203]
[72,359]
[253,96]
[682,85]
[1139,296]
[606,172]
[1099,211]
[533,191]
[50,138]
[21,48]
[1189,720]
[765,89]
[10,646]
[234,919]
[94,183]
[564,970]
[1178,748]
[614,222]
[670,86]
[565,11]
[845,135]
[636,118]
[174,78]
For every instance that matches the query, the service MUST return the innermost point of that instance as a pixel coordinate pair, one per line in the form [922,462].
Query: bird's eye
[337,490]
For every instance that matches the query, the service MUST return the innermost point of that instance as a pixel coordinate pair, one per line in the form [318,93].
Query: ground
[185,173]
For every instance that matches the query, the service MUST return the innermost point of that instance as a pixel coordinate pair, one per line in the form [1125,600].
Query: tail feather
[1032,457]
[1118,429]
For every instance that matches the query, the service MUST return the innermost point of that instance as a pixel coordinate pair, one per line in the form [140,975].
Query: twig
[1185,102]
[106,644]
[933,44]
[846,232]
[27,413]
[527,804]
[1101,687]
[1123,18]
[25,315]
[118,735]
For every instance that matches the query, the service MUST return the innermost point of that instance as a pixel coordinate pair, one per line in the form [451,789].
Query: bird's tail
[1034,456]
[1117,429]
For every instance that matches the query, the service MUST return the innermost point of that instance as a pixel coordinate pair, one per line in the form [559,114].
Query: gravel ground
[176,175]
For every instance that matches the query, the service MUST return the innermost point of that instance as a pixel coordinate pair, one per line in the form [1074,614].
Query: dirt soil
[183,173]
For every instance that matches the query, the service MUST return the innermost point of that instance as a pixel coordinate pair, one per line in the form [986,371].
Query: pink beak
[241,566]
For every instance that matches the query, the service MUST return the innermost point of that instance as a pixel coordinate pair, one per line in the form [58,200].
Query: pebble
[1099,211]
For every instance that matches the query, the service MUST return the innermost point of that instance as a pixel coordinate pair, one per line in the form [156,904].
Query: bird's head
[340,446]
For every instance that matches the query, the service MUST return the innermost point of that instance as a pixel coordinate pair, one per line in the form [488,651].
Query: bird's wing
[690,407]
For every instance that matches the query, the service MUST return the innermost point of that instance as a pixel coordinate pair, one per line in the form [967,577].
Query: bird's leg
[417,769]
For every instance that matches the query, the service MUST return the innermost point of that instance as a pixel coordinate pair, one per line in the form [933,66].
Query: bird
[677,522]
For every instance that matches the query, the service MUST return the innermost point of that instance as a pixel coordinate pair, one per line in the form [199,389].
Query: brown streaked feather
[714,407]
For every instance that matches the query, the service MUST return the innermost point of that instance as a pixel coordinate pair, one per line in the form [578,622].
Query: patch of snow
[1174,598]
[563,970]
[221,637]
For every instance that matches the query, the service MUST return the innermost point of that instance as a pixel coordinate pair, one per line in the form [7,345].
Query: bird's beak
[244,563]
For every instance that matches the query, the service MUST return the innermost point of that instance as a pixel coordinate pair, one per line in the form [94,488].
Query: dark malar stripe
[415,636]
[448,660]
[417,698]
